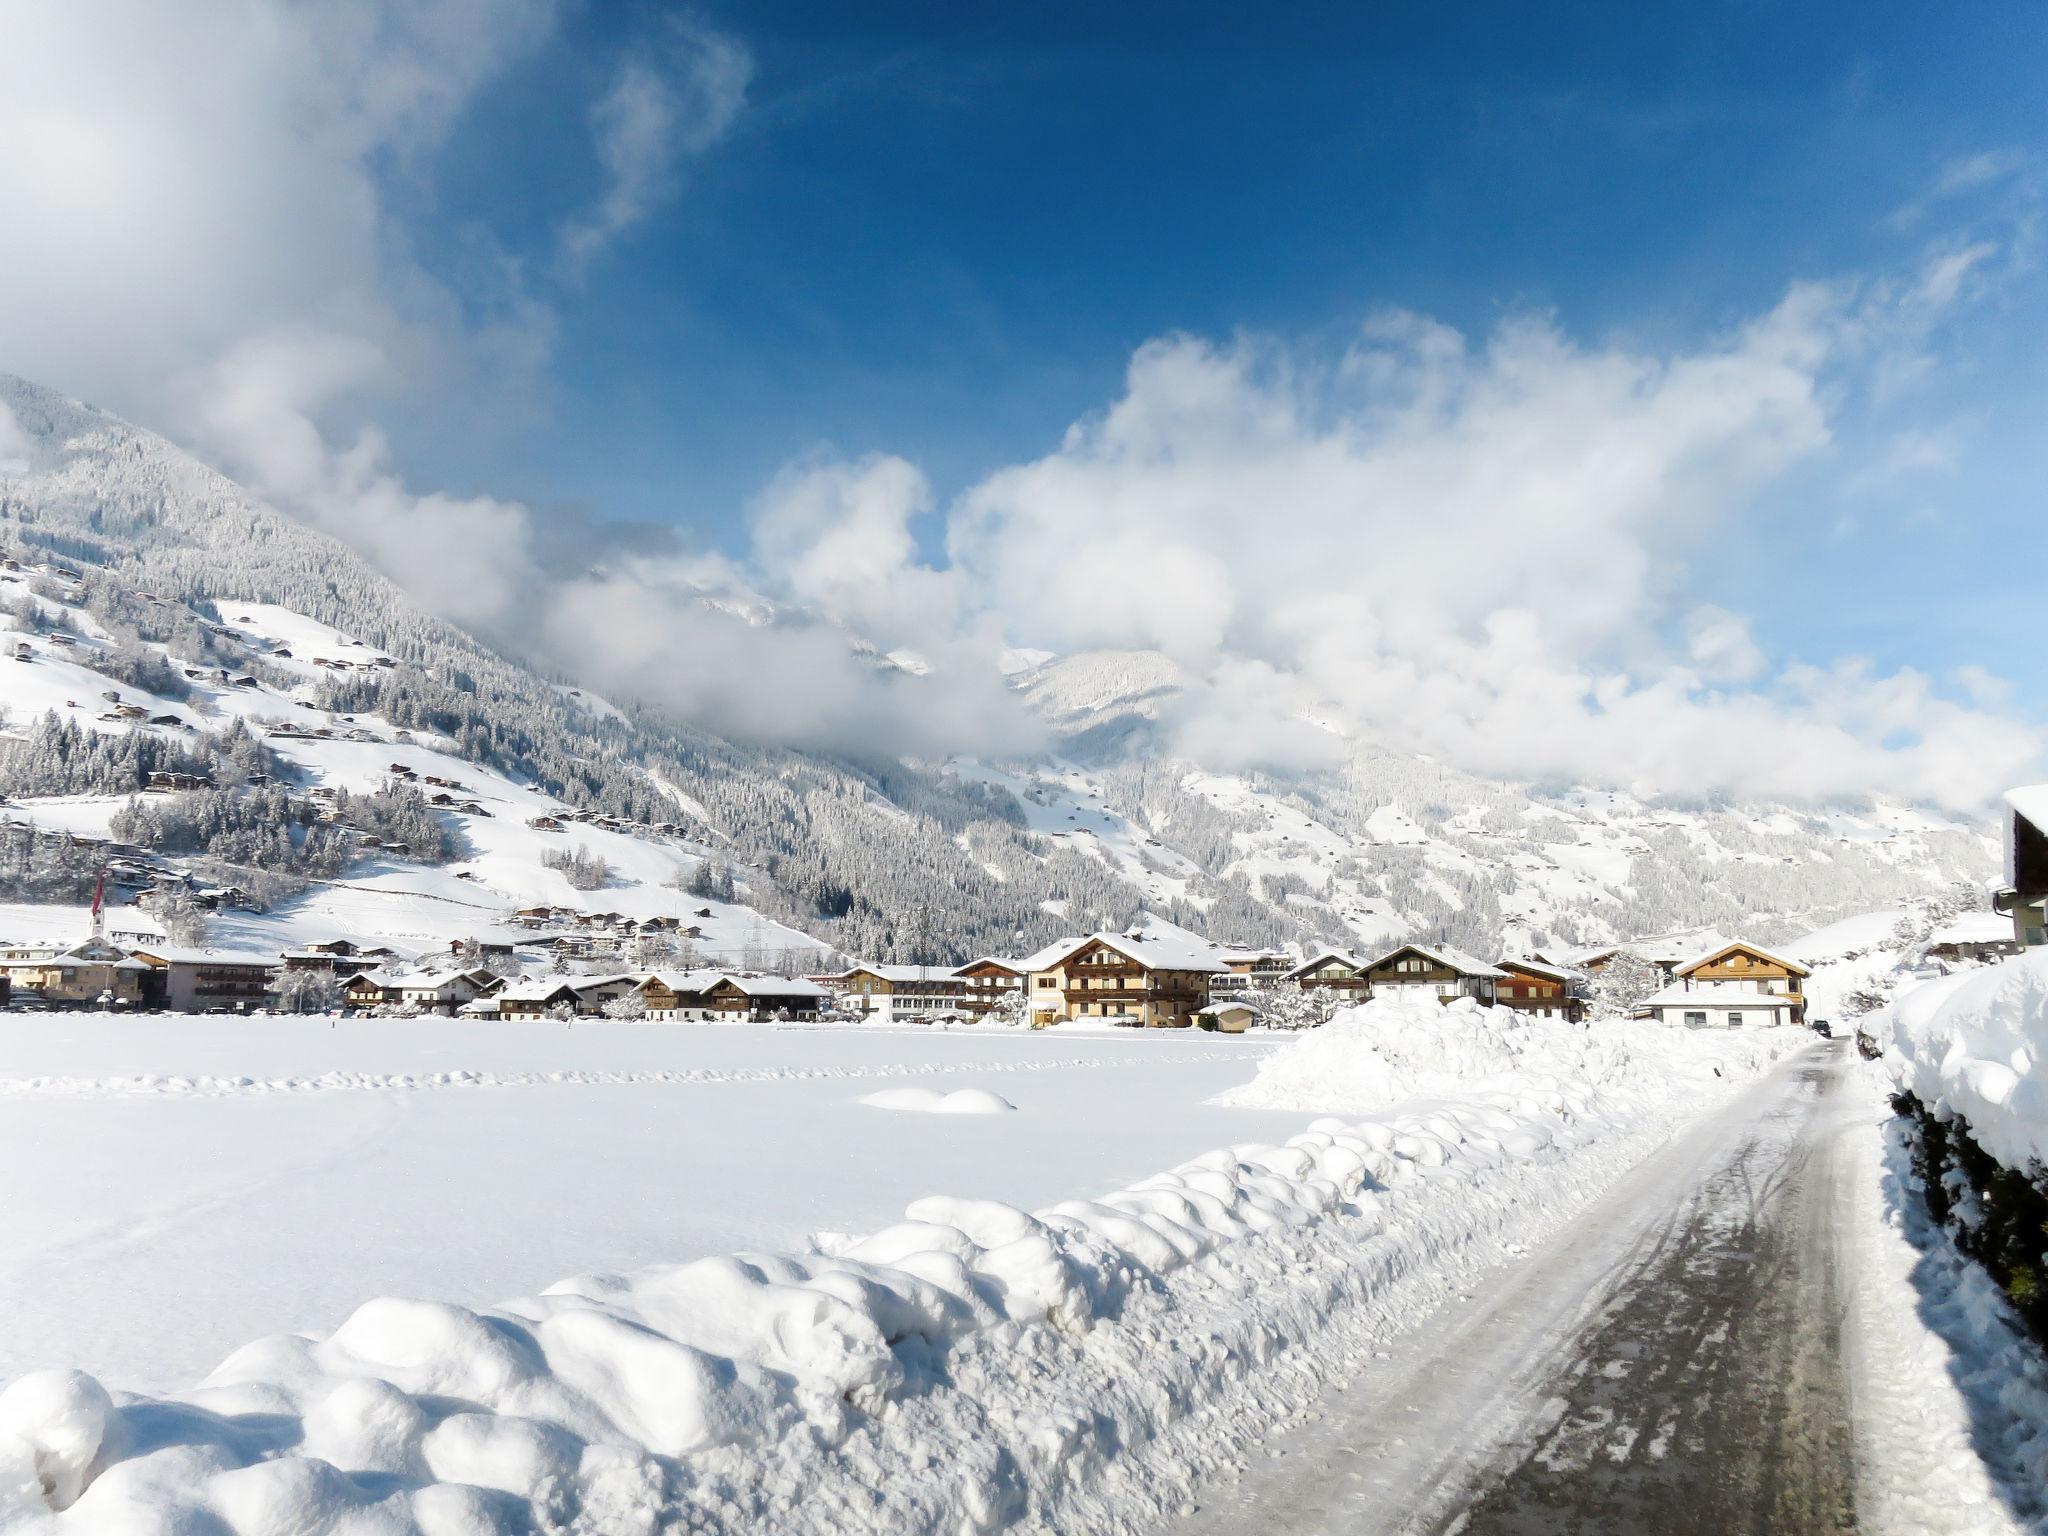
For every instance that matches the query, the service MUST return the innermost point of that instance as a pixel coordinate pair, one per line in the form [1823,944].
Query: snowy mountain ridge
[925,861]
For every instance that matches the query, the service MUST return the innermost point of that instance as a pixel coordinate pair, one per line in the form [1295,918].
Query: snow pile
[929,1101]
[1402,1048]
[966,1369]
[1976,1045]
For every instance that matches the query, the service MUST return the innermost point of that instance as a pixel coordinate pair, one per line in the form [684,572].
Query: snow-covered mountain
[178,569]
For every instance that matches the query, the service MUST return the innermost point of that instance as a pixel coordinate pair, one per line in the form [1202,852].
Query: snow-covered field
[962,1367]
[197,1182]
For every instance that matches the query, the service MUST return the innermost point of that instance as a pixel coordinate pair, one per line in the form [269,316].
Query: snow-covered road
[1670,1362]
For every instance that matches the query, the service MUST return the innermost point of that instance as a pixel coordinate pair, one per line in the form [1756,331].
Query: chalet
[370,989]
[171,721]
[339,955]
[1144,980]
[1973,936]
[539,998]
[765,998]
[1448,973]
[1734,984]
[188,980]
[1546,991]
[442,991]
[91,974]
[989,982]
[177,783]
[596,991]
[892,993]
[1333,969]
[2023,897]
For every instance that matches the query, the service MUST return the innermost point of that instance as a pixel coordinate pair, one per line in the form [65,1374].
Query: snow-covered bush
[585,870]
[1969,1057]
[306,991]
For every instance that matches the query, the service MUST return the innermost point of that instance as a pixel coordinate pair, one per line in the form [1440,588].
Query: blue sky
[1719,327]
[941,234]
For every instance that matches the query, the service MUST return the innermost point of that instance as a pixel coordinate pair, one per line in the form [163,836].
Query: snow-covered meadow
[961,1366]
[180,1185]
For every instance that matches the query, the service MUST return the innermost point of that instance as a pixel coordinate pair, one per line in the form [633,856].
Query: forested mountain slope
[922,861]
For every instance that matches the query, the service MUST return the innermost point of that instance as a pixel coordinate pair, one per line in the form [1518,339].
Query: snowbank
[1400,1049]
[1976,1045]
[929,1101]
[973,1365]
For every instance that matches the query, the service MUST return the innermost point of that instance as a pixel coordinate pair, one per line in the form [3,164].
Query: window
[1695,1021]
[1734,1020]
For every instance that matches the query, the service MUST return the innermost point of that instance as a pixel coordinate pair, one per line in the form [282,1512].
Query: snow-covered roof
[1310,966]
[894,973]
[1229,1005]
[1974,928]
[1538,968]
[1443,954]
[536,990]
[1045,959]
[776,986]
[1734,944]
[176,954]
[1002,960]
[1160,951]
[1678,994]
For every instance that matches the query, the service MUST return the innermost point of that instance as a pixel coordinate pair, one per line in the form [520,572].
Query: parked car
[1822,1028]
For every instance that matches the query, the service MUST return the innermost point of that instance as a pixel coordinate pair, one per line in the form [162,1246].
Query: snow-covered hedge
[1975,1046]
[1969,1055]
[960,1371]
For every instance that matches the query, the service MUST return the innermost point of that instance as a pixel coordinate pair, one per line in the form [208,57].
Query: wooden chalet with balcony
[1332,970]
[1449,973]
[1137,979]
[1546,991]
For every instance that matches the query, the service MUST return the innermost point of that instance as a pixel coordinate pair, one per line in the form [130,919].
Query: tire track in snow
[207,1086]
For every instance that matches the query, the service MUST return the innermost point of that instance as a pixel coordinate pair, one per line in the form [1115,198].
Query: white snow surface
[967,1368]
[1975,1044]
[929,1101]
[1951,1394]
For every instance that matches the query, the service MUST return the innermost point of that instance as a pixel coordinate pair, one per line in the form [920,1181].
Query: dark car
[1822,1028]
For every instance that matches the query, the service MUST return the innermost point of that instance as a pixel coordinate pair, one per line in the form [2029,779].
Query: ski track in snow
[171,1085]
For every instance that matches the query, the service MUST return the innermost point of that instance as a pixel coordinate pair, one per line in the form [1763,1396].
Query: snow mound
[1400,1049]
[929,1101]
[1976,1045]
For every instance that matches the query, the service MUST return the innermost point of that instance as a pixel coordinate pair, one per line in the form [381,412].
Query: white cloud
[1509,553]
[674,98]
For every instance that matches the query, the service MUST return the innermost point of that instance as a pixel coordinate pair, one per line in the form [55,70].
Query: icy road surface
[1671,1363]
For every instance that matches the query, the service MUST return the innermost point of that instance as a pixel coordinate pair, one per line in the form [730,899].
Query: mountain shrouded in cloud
[1504,543]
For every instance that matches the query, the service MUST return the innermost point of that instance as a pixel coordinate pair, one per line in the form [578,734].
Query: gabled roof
[1165,952]
[1747,948]
[175,954]
[1538,968]
[1443,954]
[1311,966]
[896,973]
[1053,953]
[538,989]
[1015,967]
[776,986]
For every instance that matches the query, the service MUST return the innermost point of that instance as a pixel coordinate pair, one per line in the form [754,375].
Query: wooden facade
[1740,968]
[1334,971]
[1547,991]
[1101,982]
[1448,976]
